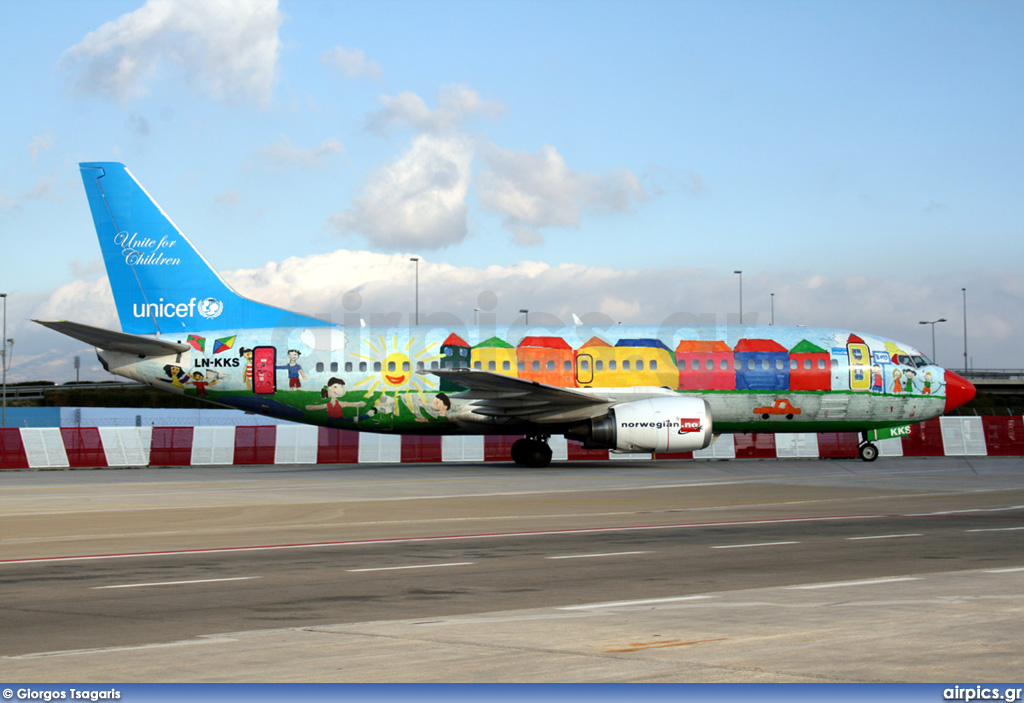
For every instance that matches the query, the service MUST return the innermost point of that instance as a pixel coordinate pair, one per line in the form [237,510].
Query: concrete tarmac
[900,570]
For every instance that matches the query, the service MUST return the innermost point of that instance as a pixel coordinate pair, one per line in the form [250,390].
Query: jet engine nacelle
[655,425]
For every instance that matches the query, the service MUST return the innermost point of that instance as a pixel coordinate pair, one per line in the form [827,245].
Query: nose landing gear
[867,451]
[532,452]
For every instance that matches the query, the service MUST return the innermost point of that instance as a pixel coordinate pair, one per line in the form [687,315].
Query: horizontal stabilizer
[115,341]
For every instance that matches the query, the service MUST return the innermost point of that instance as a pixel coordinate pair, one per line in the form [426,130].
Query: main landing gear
[532,452]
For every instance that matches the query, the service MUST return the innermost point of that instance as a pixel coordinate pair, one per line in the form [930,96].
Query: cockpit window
[916,361]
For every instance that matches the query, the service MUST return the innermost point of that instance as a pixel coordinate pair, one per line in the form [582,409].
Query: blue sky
[864,161]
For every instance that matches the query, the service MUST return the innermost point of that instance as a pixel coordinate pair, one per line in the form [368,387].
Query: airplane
[645,388]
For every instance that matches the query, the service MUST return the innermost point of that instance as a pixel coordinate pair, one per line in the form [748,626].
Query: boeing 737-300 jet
[647,388]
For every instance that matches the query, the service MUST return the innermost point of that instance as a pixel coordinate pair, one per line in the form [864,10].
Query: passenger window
[506,366]
[695,365]
[625,365]
[362,366]
[348,367]
[639,364]
[491,366]
[709,365]
[567,366]
[723,364]
[807,364]
[681,364]
[821,363]
[551,366]
[521,366]
[477,365]
[391,366]
[376,366]
[405,366]
[585,365]
[611,365]
[334,366]
[764,364]
[599,365]
[779,365]
[536,366]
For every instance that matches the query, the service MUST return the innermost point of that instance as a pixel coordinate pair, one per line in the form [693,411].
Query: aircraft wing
[115,341]
[497,395]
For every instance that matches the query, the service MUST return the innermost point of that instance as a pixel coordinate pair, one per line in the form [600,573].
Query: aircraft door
[264,373]
[584,369]
[860,366]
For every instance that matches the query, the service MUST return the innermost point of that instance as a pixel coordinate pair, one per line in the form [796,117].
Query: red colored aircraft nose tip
[958,391]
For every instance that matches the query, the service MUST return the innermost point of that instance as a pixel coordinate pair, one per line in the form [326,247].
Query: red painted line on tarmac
[436,538]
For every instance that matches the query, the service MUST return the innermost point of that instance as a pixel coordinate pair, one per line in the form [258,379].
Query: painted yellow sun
[394,367]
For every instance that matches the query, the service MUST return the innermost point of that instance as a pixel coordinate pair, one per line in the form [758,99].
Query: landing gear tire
[531,452]
[868,451]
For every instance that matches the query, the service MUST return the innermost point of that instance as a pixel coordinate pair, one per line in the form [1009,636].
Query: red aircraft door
[264,373]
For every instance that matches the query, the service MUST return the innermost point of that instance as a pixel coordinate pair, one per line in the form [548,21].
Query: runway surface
[900,570]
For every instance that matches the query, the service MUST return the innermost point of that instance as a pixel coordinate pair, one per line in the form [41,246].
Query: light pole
[740,273]
[965,329]
[527,313]
[475,311]
[932,323]
[417,260]
[773,309]
[3,360]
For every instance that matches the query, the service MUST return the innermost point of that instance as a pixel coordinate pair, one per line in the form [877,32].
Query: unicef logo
[210,308]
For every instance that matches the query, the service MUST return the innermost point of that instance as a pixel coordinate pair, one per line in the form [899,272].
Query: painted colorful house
[809,368]
[761,365]
[648,362]
[495,355]
[546,360]
[705,366]
[455,354]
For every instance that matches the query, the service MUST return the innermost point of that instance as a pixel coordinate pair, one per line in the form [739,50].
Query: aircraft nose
[958,390]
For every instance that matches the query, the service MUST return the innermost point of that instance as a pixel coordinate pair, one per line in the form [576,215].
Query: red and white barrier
[72,447]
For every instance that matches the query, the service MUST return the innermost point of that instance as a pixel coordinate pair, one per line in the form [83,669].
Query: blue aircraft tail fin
[161,283]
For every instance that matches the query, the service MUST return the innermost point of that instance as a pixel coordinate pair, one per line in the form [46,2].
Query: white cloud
[418,200]
[42,190]
[229,198]
[38,144]
[350,62]
[87,300]
[286,154]
[227,49]
[535,190]
[455,104]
